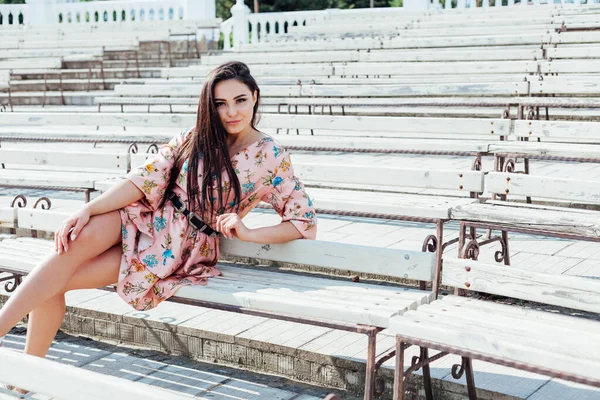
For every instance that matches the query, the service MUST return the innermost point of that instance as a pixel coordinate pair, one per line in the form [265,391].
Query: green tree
[224,6]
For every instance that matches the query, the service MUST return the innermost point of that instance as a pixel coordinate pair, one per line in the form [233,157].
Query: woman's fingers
[56,240]
[64,237]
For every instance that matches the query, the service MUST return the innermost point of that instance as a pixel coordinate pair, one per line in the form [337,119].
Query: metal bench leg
[370,372]
[426,373]
[399,378]
[466,367]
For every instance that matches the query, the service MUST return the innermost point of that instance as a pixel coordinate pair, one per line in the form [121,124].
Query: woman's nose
[232,111]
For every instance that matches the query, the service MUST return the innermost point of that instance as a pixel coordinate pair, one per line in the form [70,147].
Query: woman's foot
[11,387]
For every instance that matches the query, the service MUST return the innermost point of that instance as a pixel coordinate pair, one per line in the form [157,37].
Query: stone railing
[118,11]
[49,12]
[13,14]
[247,28]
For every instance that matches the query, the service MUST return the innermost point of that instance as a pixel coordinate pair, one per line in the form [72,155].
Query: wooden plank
[256,70]
[547,187]
[99,119]
[559,290]
[547,149]
[287,58]
[460,126]
[55,380]
[573,223]
[548,130]
[512,325]
[480,53]
[573,52]
[406,264]
[575,37]
[86,160]
[564,87]
[501,347]
[39,63]
[569,67]
[407,68]
[44,220]
[439,89]
[465,181]
[405,144]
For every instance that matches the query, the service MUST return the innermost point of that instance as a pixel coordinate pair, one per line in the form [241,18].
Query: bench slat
[559,221]
[460,180]
[403,264]
[560,290]
[547,187]
[501,345]
[87,160]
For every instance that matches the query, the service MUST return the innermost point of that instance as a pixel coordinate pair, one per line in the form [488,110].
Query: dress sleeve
[152,178]
[287,194]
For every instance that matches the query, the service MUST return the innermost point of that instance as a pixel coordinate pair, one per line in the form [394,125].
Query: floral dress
[162,252]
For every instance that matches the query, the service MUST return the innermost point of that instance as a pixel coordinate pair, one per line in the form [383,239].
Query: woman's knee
[101,227]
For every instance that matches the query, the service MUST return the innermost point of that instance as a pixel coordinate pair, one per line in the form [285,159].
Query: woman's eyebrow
[235,98]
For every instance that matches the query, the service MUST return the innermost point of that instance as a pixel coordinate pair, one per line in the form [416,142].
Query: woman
[142,233]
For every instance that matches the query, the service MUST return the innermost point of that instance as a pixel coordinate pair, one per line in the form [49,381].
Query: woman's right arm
[118,196]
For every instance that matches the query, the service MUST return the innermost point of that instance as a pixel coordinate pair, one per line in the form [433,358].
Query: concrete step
[187,378]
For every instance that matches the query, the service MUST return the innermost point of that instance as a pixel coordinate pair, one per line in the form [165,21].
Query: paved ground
[190,378]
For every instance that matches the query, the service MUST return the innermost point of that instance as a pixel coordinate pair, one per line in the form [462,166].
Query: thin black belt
[192,217]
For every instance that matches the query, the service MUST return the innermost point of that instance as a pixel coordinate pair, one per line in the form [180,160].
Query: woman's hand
[230,225]
[70,229]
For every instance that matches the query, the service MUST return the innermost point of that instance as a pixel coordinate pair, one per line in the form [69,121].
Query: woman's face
[235,103]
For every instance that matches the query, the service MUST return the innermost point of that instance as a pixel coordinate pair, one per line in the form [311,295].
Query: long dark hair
[208,139]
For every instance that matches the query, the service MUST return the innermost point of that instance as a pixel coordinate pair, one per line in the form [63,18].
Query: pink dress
[162,252]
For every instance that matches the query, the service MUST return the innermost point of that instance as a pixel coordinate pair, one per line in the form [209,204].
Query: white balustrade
[118,11]
[11,15]
[44,12]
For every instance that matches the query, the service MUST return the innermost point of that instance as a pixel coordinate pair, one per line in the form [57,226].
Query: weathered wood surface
[63,179]
[49,158]
[545,346]
[562,86]
[314,297]
[548,187]
[549,130]
[24,64]
[459,126]
[560,290]
[459,180]
[503,215]
[545,149]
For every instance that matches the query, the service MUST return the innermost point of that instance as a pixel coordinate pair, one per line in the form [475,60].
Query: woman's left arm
[287,196]
[230,225]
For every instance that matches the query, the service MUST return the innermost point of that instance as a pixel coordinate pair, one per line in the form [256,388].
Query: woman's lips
[234,122]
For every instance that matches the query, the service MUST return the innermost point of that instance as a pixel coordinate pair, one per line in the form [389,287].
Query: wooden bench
[542,342]
[55,380]
[59,170]
[461,136]
[383,90]
[339,304]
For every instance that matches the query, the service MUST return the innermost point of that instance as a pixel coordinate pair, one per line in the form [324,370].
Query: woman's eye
[241,100]
[219,104]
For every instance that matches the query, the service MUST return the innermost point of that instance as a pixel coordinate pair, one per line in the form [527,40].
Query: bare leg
[45,320]
[51,276]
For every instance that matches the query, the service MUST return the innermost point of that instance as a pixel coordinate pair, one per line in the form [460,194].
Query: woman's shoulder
[271,145]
